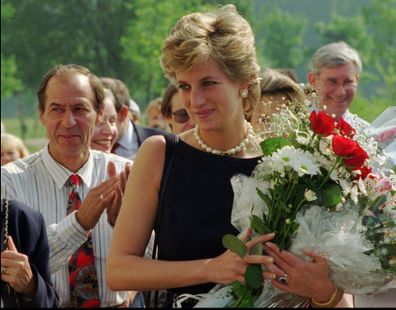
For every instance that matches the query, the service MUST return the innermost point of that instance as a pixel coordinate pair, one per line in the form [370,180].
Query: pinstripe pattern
[39,182]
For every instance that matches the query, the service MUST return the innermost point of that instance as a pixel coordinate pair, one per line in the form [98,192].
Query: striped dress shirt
[40,182]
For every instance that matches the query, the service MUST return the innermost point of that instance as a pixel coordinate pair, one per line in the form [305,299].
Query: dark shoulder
[149,131]
[21,214]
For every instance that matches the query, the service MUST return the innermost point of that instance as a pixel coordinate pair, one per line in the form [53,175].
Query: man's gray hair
[335,54]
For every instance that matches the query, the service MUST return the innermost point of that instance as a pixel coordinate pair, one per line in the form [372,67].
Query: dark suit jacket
[143,133]
[28,231]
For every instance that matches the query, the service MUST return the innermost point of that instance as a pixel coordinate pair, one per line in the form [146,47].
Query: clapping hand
[97,200]
[114,208]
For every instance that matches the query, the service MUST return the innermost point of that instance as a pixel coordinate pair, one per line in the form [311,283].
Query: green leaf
[272,144]
[281,207]
[247,301]
[234,244]
[257,249]
[254,276]
[331,195]
[238,288]
[258,225]
[264,197]
[379,201]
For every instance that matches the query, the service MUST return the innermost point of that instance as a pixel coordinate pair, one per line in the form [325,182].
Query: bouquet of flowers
[314,187]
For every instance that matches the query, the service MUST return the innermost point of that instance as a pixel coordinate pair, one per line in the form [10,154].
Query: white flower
[325,145]
[309,195]
[305,164]
[304,137]
[287,153]
[301,162]
[339,206]
[362,187]
[354,194]
[346,187]
[324,161]
[277,165]
[334,175]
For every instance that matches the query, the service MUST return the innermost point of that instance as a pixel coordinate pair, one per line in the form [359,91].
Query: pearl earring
[244,93]
[314,93]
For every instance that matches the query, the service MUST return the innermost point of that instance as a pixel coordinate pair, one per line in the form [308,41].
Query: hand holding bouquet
[315,189]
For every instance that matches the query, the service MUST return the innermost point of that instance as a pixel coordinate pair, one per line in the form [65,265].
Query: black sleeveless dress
[197,206]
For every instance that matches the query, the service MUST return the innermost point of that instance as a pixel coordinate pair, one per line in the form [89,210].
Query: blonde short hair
[9,141]
[226,37]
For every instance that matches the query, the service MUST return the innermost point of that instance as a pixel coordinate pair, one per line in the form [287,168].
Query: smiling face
[69,117]
[336,87]
[210,97]
[106,132]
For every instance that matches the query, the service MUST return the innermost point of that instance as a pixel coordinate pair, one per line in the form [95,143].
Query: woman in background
[173,110]
[106,131]
[12,148]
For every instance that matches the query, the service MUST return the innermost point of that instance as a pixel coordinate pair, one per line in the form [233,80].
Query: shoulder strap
[170,150]
[171,143]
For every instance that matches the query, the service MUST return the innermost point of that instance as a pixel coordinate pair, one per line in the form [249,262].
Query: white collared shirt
[39,181]
[128,144]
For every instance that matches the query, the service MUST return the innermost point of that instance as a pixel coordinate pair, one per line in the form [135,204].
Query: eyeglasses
[181,116]
[347,85]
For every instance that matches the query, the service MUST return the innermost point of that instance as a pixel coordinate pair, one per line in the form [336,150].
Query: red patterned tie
[83,281]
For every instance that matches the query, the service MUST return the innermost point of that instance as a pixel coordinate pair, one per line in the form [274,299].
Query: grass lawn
[34,136]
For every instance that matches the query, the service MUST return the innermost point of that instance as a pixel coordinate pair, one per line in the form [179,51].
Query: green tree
[373,34]
[352,30]
[144,37]
[280,38]
[380,17]
[46,33]
[10,83]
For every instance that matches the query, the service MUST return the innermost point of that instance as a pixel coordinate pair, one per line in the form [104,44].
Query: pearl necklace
[240,147]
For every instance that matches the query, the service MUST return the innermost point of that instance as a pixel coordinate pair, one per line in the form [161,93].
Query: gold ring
[3,270]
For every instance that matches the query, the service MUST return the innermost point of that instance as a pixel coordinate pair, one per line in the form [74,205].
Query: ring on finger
[3,270]
[284,279]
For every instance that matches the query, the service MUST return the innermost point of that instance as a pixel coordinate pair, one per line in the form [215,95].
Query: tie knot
[74,180]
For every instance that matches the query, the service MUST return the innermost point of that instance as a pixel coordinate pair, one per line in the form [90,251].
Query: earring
[243,93]
[314,93]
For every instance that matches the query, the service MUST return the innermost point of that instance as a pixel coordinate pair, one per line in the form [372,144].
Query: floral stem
[338,160]
[239,301]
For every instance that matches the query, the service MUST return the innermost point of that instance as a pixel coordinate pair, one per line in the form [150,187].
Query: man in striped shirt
[70,103]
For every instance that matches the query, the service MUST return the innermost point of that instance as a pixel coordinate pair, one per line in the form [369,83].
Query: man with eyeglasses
[174,112]
[334,75]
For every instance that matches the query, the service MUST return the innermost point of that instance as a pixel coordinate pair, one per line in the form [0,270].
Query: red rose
[343,146]
[344,128]
[322,123]
[356,159]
